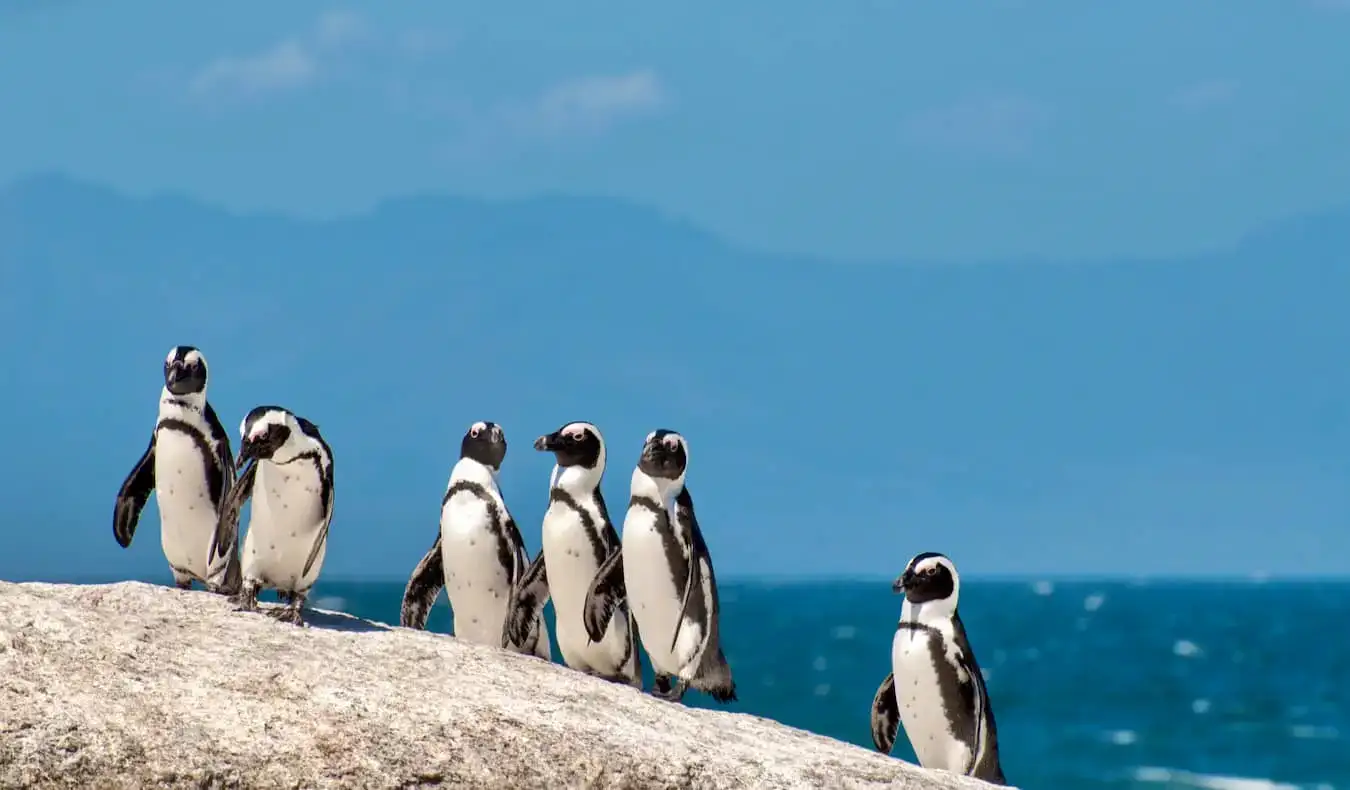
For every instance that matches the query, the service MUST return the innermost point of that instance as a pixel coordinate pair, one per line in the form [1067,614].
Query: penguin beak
[901,582]
[547,442]
[251,451]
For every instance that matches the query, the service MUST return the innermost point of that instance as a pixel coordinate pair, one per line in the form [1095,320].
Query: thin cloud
[576,108]
[1004,126]
[590,104]
[299,61]
[285,66]
[1203,95]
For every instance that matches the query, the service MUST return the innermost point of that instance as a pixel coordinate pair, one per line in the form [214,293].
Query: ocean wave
[333,603]
[1176,778]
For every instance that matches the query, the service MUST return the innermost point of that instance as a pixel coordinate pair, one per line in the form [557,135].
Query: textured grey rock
[136,686]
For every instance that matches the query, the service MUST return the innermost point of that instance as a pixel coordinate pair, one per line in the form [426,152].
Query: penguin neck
[472,471]
[297,444]
[193,401]
[930,613]
[577,480]
[662,489]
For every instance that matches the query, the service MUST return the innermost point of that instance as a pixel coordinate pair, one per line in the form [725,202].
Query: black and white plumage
[935,687]
[189,467]
[578,538]
[667,573]
[478,555]
[286,468]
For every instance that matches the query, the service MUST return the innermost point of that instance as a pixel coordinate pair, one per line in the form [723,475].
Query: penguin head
[665,455]
[268,433]
[927,578]
[575,444]
[185,371]
[484,442]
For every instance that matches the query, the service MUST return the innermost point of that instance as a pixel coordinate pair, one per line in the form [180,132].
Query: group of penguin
[653,588]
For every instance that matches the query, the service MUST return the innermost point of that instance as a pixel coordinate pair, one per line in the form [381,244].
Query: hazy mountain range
[1129,417]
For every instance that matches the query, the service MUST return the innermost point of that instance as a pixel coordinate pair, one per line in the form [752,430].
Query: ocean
[1149,685]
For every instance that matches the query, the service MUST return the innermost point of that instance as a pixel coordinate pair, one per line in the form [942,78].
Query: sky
[946,131]
[1097,335]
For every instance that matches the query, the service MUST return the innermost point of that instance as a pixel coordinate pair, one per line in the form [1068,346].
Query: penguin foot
[669,688]
[287,614]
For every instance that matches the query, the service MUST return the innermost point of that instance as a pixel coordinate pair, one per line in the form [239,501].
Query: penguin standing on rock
[935,687]
[188,465]
[479,555]
[667,573]
[578,538]
[287,470]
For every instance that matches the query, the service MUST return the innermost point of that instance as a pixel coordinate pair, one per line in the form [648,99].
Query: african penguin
[287,470]
[188,465]
[668,574]
[578,538]
[478,554]
[935,687]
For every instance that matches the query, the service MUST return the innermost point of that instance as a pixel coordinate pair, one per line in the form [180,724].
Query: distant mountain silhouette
[818,397]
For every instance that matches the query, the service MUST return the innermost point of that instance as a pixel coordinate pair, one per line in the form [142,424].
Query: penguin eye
[473,432]
[672,443]
[931,571]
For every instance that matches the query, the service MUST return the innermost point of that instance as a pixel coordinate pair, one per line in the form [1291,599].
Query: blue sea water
[1150,685]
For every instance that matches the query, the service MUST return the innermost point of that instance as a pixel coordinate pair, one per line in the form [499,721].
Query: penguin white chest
[654,593]
[570,554]
[920,674]
[286,516]
[187,515]
[570,557]
[477,572]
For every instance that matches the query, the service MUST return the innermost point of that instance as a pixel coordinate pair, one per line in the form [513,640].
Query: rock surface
[136,686]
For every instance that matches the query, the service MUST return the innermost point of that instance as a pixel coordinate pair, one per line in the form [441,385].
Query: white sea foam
[1122,737]
[1175,778]
[1313,732]
[1044,588]
[1200,706]
[1094,602]
[823,690]
[820,664]
[1186,648]
[332,603]
[844,632]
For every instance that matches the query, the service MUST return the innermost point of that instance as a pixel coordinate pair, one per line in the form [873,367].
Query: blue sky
[1040,401]
[1051,129]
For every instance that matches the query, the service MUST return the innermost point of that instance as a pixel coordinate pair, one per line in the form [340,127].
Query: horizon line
[817,579]
[677,219]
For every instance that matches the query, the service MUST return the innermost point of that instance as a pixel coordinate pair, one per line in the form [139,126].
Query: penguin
[478,553]
[286,468]
[578,538]
[935,687]
[667,572]
[188,463]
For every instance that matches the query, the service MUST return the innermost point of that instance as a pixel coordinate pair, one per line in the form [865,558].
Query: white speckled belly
[285,519]
[187,517]
[653,597]
[571,567]
[475,581]
[920,702]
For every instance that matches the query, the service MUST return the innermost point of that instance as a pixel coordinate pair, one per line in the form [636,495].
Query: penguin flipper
[686,529]
[226,535]
[322,538]
[519,561]
[423,586]
[133,495]
[604,596]
[527,601]
[885,715]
